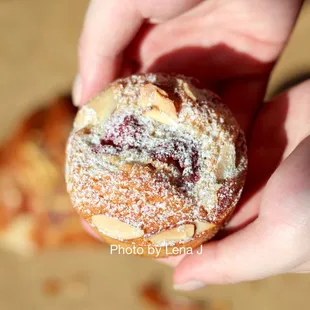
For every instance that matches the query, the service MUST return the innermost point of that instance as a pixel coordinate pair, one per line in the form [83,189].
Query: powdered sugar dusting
[151,175]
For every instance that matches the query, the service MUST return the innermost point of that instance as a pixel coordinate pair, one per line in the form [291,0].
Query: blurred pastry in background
[35,210]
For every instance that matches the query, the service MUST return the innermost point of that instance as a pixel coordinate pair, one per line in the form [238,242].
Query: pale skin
[231,46]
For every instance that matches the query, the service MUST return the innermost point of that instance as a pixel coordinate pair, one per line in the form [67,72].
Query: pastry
[35,209]
[155,164]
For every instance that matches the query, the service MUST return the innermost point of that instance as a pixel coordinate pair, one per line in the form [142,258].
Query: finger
[252,253]
[108,28]
[280,126]
[221,38]
[297,124]
[208,58]
[288,190]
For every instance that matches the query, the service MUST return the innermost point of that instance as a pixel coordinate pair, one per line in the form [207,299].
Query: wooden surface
[37,60]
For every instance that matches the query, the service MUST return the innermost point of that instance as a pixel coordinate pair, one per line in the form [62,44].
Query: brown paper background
[38,60]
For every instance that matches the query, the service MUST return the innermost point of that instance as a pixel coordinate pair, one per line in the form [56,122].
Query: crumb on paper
[74,287]
[154,297]
[52,287]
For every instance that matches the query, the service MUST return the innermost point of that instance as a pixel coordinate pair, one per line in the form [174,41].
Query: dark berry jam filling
[131,133]
[173,154]
[126,135]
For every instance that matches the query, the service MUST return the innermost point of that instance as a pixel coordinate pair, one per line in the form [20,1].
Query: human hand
[223,43]
[231,47]
[270,232]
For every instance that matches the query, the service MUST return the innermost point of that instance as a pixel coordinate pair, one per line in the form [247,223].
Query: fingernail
[189,286]
[77,90]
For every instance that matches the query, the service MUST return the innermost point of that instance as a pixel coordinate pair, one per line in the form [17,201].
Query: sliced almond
[104,104]
[147,93]
[116,229]
[96,111]
[165,105]
[159,116]
[226,164]
[203,226]
[188,91]
[153,96]
[86,116]
[177,234]
[209,197]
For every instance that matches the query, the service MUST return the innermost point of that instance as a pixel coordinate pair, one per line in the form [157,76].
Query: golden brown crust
[162,156]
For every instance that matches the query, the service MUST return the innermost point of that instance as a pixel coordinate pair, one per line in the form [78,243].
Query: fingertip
[96,74]
[188,269]
[186,277]
[108,29]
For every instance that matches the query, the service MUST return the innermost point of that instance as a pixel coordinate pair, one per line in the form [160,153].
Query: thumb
[276,242]
[246,255]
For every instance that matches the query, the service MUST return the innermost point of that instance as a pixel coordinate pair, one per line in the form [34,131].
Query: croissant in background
[35,210]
